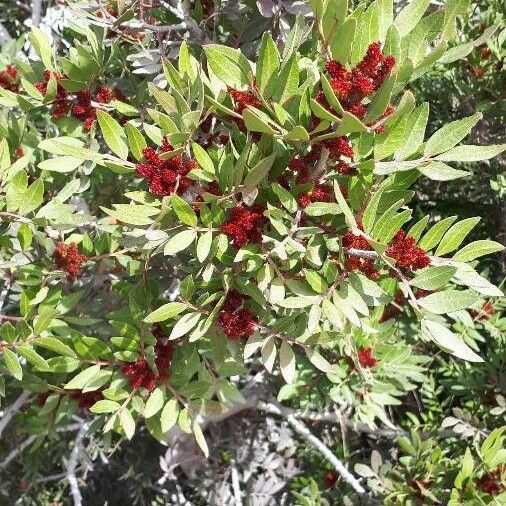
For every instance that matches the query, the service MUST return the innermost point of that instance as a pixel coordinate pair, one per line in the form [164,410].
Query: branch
[319,170]
[235,483]
[14,453]
[72,465]
[4,35]
[13,409]
[303,431]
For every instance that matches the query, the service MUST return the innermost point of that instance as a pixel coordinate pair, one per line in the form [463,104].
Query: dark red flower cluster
[491,483]
[86,399]
[352,86]
[244,225]
[9,79]
[165,176]
[366,358]
[243,99]
[406,254]
[236,321]
[109,9]
[61,102]
[301,165]
[19,152]
[330,478]
[393,311]
[82,107]
[319,193]
[365,265]
[68,259]
[338,147]
[140,373]
[487,310]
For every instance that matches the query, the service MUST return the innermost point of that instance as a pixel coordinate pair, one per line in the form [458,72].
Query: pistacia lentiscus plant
[160,239]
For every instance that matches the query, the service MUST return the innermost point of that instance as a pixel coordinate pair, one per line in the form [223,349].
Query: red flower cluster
[351,87]
[244,225]
[235,320]
[68,259]
[406,254]
[365,265]
[491,482]
[165,176]
[330,478]
[9,79]
[140,373]
[338,147]
[86,399]
[319,193]
[366,358]
[82,108]
[300,165]
[61,102]
[243,99]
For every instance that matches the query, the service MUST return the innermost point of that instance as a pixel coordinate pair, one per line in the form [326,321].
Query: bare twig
[14,453]
[320,167]
[235,483]
[13,409]
[72,465]
[303,431]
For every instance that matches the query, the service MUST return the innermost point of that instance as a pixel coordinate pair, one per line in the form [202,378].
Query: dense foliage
[208,207]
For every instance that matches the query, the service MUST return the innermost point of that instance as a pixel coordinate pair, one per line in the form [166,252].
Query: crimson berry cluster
[165,176]
[491,483]
[406,254]
[353,86]
[80,106]
[68,259]
[140,373]
[235,320]
[244,225]
[366,358]
[9,79]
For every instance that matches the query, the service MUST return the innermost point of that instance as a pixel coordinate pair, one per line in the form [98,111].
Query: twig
[72,465]
[235,483]
[36,12]
[319,170]
[303,431]
[4,35]
[13,409]
[14,453]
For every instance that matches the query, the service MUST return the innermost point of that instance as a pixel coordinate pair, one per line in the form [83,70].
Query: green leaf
[470,153]
[165,312]
[409,17]
[417,229]
[127,422]
[477,249]
[11,361]
[184,211]
[255,123]
[381,99]
[186,323]
[342,40]
[228,65]
[113,133]
[61,164]
[456,235]
[70,147]
[136,141]
[331,96]
[449,341]
[448,301]
[203,159]
[434,234]
[285,197]
[322,208]
[433,278]
[416,125]
[33,357]
[41,44]
[204,245]
[105,406]
[169,415]
[199,437]
[319,362]
[438,171]
[267,66]
[32,198]
[132,214]
[450,135]
[40,296]
[259,171]
[155,402]
[350,124]
[287,362]
[179,242]
[79,381]
[53,344]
